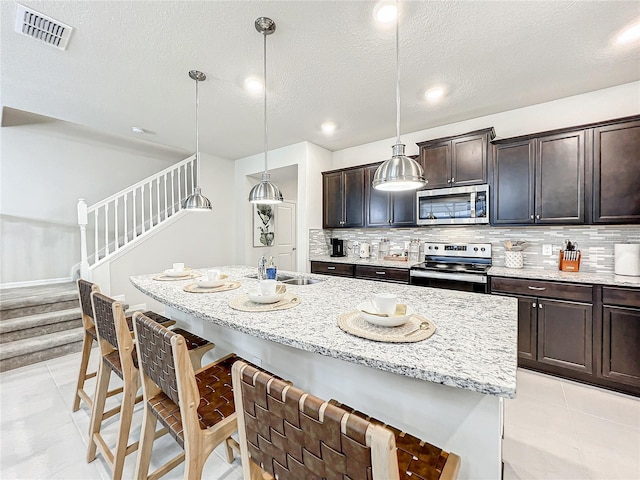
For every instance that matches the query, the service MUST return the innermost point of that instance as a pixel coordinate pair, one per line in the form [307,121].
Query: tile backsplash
[595,242]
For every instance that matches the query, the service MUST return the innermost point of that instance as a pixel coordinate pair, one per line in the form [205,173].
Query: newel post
[83,220]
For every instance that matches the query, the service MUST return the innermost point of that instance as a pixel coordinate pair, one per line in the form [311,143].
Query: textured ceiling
[127,64]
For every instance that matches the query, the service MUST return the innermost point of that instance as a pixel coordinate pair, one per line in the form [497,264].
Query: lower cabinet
[331,268]
[621,335]
[384,274]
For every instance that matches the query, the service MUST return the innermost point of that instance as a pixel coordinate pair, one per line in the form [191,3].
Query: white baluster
[144,227]
[83,220]
[173,200]
[95,226]
[179,191]
[158,198]
[106,230]
[166,194]
[126,220]
[135,222]
[115,222]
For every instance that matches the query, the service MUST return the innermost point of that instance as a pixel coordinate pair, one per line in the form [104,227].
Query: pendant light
[196,201]
[399,172]
[265,191]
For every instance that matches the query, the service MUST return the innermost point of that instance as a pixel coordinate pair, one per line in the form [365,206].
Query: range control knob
[482,249]
[436,247]
[475,249]
[430,247]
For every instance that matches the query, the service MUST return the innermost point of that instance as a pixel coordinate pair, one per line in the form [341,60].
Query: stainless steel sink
[279,277]
[302,281]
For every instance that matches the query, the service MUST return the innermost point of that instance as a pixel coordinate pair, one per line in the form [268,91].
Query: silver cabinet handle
[448,180]
[381,273]
[453,180]
[531,217]
[538,216]
[331,268]
[540,289]
[539,305]
[534,305]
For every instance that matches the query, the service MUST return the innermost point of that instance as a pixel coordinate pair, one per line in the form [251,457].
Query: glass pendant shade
[399,173]
[197,202]
[265,192]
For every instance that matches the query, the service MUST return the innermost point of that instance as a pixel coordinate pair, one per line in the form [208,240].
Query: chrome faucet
[262,268]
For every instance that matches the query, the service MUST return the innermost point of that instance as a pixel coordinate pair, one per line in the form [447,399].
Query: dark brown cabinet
[540,180]
[621,335]
[456,161]
[388,209]
[555,324]
[383,274]
[333,268]
[616,173]
[343,198]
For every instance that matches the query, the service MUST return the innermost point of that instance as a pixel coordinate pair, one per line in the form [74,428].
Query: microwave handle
[473,204]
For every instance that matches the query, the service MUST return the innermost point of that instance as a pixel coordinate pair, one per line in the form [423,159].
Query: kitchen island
[447,389]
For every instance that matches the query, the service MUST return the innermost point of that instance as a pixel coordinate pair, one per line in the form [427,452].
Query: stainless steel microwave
[454,206]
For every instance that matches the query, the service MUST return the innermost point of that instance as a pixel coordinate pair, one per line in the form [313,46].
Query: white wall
[609,103]
[198,239]
[44,169]
[310,161]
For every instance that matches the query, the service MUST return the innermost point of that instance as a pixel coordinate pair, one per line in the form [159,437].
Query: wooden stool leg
[196,355]
[126,415]
[193,464]
[99,399]
[87,343]
[147,436]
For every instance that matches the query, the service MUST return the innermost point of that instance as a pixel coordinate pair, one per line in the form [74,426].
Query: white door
[285,237]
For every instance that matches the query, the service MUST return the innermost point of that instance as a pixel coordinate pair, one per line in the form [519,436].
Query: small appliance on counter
[365,250]
[627,259]
[337,248]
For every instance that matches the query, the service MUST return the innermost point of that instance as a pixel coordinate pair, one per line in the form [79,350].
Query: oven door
[466,282]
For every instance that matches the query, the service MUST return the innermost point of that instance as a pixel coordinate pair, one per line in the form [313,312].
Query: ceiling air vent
[46,29]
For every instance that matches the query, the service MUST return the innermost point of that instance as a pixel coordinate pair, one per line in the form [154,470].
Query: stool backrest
[155,354]
[293,435]
[104,318]
[85,289]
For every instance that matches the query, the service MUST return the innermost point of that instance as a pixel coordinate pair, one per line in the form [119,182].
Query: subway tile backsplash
[595,242]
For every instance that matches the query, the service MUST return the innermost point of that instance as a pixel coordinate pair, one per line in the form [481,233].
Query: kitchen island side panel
[461,421]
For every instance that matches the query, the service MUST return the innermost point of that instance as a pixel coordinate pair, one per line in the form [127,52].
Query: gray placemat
[353,323]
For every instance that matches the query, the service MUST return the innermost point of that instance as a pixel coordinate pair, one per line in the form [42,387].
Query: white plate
[172,273]
[382,321]
[257,297]
[204,282]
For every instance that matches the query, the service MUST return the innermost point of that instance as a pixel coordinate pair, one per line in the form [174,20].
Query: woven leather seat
[90,335]
[195,406]
[288,434]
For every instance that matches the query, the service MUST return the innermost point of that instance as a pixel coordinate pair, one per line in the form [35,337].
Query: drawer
[399,275]
[330,268]
[541,288]
[624,297]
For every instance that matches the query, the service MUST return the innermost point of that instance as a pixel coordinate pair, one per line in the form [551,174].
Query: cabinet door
[565,335]
[331,268]
[513,177]
[403,206]
[469,160]
[527,327]
[436,162]
[621,344]
[377,202]
[354,197]
[332,195]
[560,178]
[616,173]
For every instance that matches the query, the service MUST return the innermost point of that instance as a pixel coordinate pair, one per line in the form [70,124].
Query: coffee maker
[337,247]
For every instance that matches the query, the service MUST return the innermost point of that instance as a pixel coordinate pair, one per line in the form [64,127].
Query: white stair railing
[115,222]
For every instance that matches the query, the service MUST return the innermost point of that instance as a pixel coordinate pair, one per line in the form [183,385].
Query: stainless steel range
[456,266]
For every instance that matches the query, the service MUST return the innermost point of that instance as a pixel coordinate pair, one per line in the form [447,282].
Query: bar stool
[84,294]
[118,355]
[288,434]
[196,406]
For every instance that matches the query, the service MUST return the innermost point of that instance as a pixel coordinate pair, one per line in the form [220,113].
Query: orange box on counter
[572,265]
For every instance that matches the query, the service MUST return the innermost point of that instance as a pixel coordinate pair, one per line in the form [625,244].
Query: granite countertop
[474,347]
[558,275]
[363,261]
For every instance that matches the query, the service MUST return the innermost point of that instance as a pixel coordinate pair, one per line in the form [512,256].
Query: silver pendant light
[196,201]
[399,172]
[265,191]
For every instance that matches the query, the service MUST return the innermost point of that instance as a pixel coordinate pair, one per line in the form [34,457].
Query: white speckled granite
[363,261]
[558,275]
[474,348]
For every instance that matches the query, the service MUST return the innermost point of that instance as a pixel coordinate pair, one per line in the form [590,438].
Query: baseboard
[35,283]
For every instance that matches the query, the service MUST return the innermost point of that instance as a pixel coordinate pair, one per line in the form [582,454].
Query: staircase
[38,323]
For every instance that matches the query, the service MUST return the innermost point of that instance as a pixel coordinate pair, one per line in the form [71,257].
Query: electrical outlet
[547,249]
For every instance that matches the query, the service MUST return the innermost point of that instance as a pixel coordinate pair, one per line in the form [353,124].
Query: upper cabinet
[388,209]
[343,198]
[616,173]
[456,161]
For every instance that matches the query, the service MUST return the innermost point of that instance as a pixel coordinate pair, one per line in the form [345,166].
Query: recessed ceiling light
[138,130]
[328,128]
[385,12]
[435,94]
[629,34]
[253,84]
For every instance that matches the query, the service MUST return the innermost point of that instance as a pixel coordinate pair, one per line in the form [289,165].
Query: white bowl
[393,321]
[204,282]
[257,297]
[172,273]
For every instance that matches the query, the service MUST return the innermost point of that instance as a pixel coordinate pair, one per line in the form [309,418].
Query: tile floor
[555,429]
